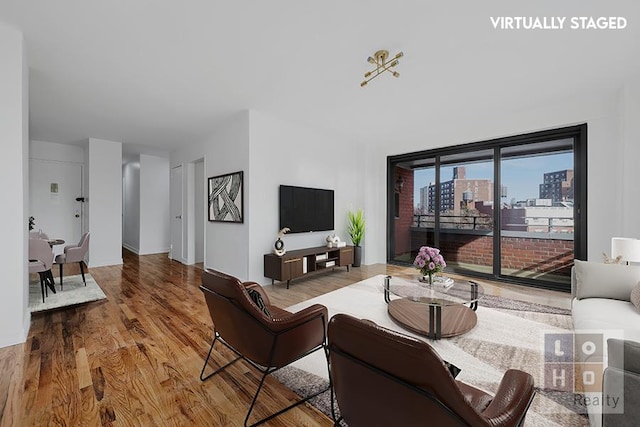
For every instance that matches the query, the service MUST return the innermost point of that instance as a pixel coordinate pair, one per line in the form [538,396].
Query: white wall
[225,151]
[131,205]
[105,202]
[285,153]
[605,158]
[14,172]
[200,205]
[630,176]
[272,152]
[155,229]
[44,150]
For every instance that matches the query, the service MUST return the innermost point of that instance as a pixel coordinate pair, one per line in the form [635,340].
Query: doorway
[176,214]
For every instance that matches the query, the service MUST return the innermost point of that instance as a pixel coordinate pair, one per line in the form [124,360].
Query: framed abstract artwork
[226,198]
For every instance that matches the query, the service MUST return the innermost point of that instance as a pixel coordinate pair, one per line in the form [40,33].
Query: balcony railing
[532,224]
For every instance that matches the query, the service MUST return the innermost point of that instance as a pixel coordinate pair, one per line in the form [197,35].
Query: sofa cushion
[598,280]
[635,296]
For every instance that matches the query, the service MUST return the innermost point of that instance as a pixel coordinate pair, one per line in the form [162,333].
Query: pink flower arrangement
[429,261]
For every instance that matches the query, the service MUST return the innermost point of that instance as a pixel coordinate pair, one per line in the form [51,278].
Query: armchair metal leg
[60,275]
[299,402]
[206,361]
[272,416]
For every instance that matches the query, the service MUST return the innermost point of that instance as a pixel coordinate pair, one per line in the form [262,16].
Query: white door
[176,214]
[53,190]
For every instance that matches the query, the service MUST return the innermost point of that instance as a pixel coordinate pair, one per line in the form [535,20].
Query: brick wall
[519,253]
[405,218]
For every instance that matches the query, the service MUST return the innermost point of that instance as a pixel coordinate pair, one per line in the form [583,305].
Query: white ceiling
[162,73]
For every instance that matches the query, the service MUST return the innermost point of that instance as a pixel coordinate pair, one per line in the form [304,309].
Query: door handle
[179,217]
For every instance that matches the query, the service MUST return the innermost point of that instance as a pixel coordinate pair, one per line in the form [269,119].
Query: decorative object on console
[627,248]
[356,232]
[226,198]
[379,59]
[429,261]
[279,245]
[32,223]
[334,241]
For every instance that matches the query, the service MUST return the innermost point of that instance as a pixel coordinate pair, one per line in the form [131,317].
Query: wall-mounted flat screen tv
[306,209]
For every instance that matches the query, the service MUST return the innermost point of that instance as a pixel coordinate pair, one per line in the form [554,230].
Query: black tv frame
[307,210]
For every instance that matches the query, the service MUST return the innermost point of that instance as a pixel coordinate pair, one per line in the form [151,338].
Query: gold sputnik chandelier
[379,59]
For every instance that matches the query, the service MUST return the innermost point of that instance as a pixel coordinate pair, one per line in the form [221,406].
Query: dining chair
[38,235]
[74,253]
[40,261]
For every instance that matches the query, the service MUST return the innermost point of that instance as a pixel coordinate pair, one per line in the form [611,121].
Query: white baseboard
[153,251]
[104,262]
[131,248]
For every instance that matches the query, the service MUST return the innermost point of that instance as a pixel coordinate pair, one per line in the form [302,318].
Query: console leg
[288,283]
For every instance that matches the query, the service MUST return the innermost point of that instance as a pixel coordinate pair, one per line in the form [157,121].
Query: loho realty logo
[574,363]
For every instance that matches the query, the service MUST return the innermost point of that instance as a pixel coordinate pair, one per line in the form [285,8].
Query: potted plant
[356,232]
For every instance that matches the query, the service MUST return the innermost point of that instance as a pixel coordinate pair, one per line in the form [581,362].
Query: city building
[459,193]
[557,186]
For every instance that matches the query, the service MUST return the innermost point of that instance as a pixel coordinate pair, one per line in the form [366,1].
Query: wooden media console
[300,262]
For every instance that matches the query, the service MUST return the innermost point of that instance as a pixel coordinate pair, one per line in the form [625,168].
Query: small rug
[74,292]
[509,334]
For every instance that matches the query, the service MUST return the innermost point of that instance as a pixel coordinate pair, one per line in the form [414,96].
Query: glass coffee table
[435,311]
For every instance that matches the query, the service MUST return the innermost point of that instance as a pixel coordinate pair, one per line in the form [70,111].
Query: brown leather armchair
[383,378]
[266,341]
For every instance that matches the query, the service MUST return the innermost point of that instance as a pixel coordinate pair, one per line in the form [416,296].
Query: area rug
[509,334]
[74,292]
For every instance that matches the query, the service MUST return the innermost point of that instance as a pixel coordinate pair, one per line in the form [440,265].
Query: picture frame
[226,198]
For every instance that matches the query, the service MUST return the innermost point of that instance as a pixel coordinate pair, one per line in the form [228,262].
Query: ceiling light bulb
[400,55]
[396,74]
[367,74]
[363,84]
[371,60]
[394,63]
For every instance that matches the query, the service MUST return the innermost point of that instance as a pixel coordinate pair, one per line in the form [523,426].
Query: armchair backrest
[384,378]
[40,250]
[236,318]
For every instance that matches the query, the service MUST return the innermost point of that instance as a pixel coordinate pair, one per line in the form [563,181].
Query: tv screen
[306,209]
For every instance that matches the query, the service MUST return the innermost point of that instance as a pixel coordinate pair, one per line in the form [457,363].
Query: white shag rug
[74,292]
[503,338]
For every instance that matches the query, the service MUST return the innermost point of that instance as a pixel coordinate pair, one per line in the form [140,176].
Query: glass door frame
[577,133]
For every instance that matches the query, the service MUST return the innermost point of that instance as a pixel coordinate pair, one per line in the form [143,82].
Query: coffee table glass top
[460,292]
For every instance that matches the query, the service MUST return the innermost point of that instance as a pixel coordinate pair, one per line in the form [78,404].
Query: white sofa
[602,304]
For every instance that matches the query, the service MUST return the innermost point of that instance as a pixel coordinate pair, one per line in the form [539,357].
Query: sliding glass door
[465,231]
[511,209]
[537,211]
[413,220]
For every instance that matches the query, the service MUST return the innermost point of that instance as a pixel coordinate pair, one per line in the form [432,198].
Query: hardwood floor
[135,358]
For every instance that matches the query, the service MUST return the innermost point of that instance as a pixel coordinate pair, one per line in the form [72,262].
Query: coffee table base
[423,319]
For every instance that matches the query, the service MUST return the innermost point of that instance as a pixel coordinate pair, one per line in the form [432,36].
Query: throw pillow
[635,296]
[452,368]
[598,280]
[258,301]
